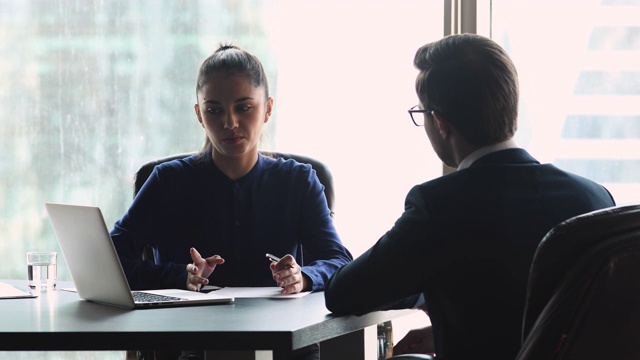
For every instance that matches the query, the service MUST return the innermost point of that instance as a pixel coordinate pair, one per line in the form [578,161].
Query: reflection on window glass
[601,127]
[580,85]
[92,89]
[608,83]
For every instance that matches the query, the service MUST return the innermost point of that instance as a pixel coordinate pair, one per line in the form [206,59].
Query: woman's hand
[417,341]
[200,269]
[288,275]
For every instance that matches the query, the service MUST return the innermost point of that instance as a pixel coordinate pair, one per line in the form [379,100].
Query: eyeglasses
[419,121]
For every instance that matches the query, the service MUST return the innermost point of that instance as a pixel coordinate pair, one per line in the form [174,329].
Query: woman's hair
[470,80]
[230,59]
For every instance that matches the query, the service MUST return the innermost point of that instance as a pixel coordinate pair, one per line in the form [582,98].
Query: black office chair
[322,171]
[583,296]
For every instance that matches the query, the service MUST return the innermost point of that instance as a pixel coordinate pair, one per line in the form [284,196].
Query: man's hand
[200,269]
[417,341]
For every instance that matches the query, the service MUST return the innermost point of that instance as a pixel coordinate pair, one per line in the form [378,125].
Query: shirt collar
[485,150]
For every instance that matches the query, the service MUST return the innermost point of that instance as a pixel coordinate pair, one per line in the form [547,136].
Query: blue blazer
[278,207]
[466,242]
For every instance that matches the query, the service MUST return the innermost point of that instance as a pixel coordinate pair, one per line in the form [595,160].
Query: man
[466,240]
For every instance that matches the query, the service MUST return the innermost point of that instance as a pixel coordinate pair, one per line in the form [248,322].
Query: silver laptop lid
[90,255]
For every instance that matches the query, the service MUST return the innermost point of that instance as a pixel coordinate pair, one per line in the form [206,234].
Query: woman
[229,202]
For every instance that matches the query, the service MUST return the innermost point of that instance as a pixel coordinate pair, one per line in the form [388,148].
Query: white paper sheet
[243,292]
[10,292]
[256,292]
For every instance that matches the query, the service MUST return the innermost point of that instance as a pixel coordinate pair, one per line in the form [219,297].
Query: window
[93,89]
[580,83]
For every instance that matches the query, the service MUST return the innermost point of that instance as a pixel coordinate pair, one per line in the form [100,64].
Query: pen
[272,257]
[276,259]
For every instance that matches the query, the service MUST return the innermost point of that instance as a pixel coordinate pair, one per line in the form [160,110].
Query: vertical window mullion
[460,16]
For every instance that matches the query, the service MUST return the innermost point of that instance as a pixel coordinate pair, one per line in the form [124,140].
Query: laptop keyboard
[139,296]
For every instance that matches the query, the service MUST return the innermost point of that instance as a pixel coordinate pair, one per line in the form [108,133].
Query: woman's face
[232,111]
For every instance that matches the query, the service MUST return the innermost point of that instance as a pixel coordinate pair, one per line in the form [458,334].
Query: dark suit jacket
[466,241]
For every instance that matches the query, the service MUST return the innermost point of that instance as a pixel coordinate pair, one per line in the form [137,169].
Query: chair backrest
[322,171]
[583,296]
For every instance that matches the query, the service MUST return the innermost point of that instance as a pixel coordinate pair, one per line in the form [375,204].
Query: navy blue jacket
[466,241]
[276,208]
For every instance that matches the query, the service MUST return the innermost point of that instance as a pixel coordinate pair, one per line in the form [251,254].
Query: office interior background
[90,90]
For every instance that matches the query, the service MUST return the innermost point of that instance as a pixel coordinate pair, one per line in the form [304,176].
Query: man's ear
[444,129]
[196,108]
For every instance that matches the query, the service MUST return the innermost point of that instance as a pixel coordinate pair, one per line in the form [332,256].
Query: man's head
[469,81]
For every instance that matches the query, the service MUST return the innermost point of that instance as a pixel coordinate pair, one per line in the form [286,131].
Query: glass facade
[580,85]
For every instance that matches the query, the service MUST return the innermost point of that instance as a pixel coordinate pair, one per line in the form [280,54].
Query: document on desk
[254,292]
[10,292]
[243,292]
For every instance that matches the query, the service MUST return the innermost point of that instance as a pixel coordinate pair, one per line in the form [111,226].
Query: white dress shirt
[466,162]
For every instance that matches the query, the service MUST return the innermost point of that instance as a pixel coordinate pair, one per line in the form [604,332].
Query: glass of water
[42,270]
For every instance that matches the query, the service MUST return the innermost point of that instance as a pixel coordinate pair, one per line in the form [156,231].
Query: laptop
[95,267]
